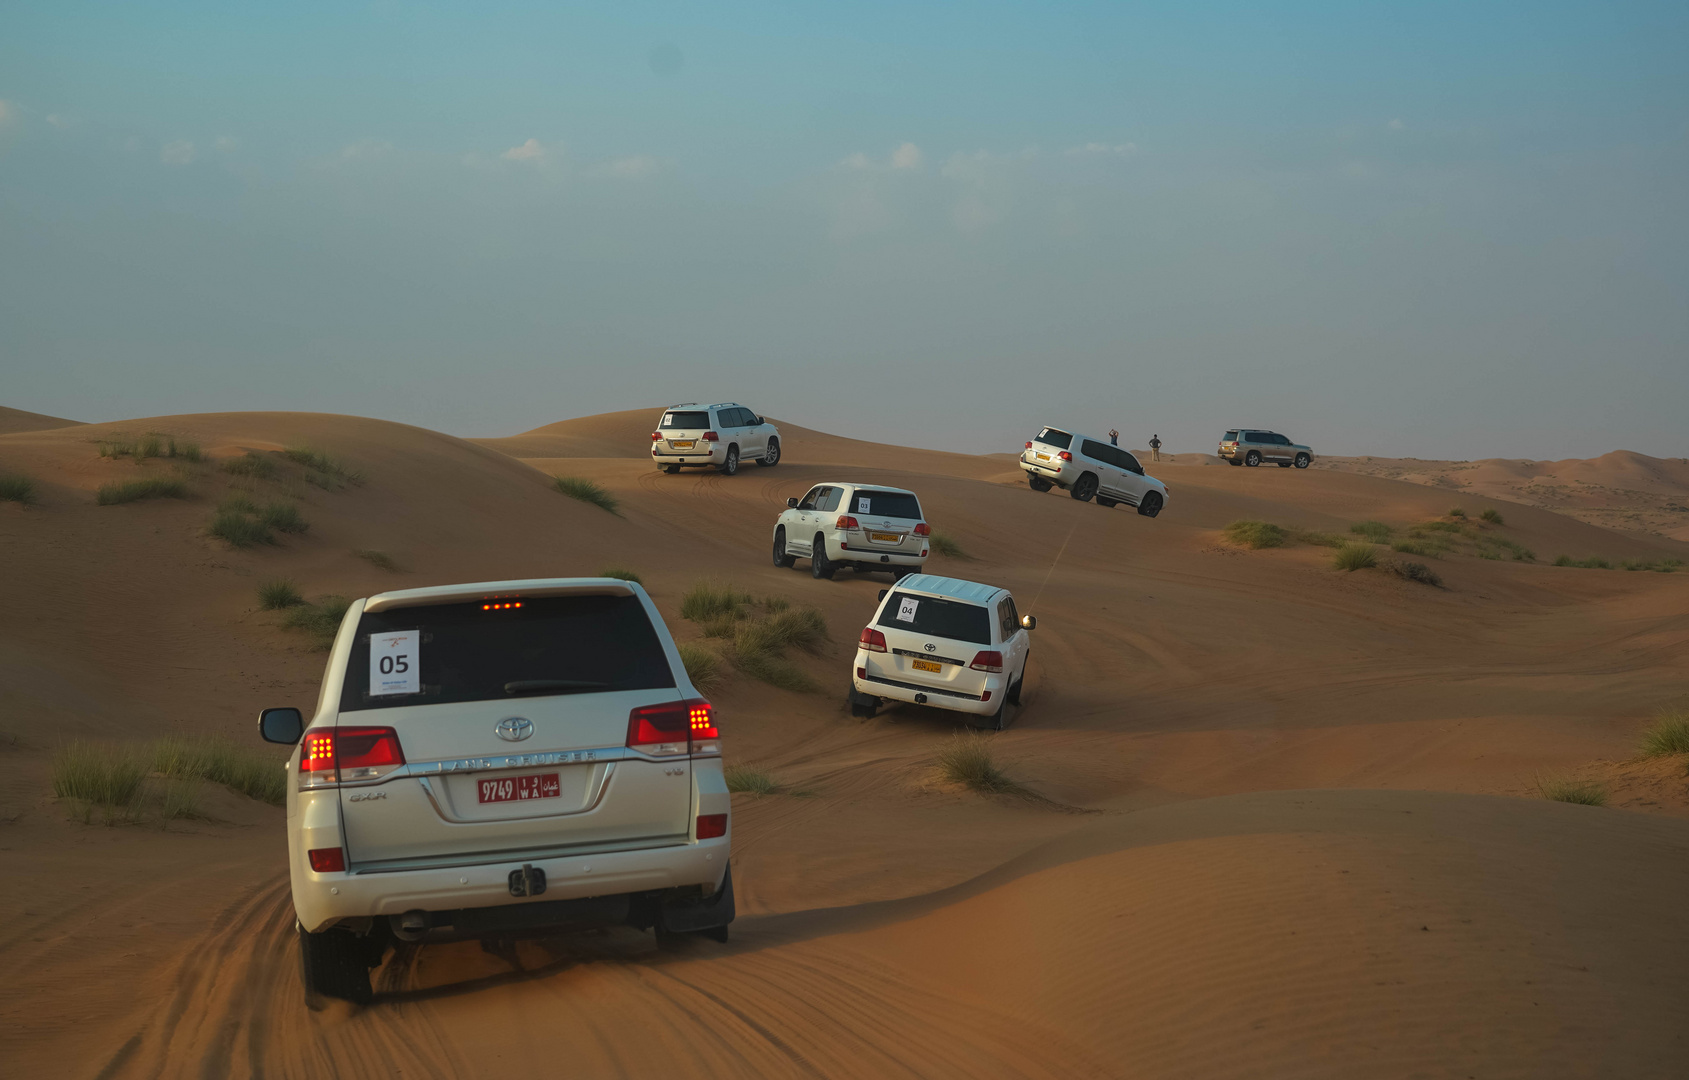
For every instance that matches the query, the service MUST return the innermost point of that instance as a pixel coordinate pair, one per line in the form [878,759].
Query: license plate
[887,538]
[1042,457]
[518,788]
[926,665]
[682,444]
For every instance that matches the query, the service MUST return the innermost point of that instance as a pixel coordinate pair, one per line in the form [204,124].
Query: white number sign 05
[395,662]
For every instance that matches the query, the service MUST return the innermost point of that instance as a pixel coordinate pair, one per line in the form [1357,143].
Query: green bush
[775,671]
[968,760]
[252,465]
[115,447]
[1668,735]
[1318,539]
[1493,516]
[278,594]
[942,543]
[18,489]
[1457,512]
[1565,789]
[1423,548]
[283,517]
[253,773]
[1376,531]
[239,529]
[750,780]
[1445,526]
[1354,557]
[586,491]
[1255,534]
[1594,562]
[148,446]
[379,559]
[622,573]
[801,627]
[1413,571]
[713,600]
[153,487]
[703,667]
[187,451]
[319,621]
[100,774]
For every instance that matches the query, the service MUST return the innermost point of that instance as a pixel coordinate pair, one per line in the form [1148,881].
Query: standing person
[1113,437]
[1155,446]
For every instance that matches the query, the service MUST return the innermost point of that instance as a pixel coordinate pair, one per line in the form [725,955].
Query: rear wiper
[551,686]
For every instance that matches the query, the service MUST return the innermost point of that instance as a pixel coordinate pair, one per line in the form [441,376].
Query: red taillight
[316,753]
[345,754]
[655,435]
[1065,456]
[674,727]
[989,660]
[328,860]
[1029,445]
[710,436]
[872,640]
[923,529]
[861,673]
[711,826]
[846,522]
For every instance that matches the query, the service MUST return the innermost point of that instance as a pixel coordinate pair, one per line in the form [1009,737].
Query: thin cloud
[633,167]
[1097,149]
[1394,125]
[180,152]
[906,157]
[532,150]
[225,144]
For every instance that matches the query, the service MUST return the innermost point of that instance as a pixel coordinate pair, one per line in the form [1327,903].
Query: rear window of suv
[891,504]
[1231,436]
[1051,437]
[937,617]
[684,421]
[550,645]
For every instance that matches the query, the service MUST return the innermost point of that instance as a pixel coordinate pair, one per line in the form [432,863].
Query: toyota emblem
[514,728]
[930,647]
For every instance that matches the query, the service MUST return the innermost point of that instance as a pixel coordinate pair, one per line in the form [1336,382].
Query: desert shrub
[283,517]
[713,600]
[115,447]
[1566,789]
[968,760]
[1493,516]
[278,594]
[801,627]
[586,491]
[1444,526]
[751,780]
[776,671]
[1413,571]
[153,487]
[239,528]
[1376,531]
[1668,735]
[1457,512]
[1594,562]
[942,543]
[1354,557]
[181,799]
[1493,547]
[621,573]
[187,451]
[148,446]
[379,559]
[252,465]
[320,621]
[100,774]
[1488,553]
[253,773]
[1255,534]
[1425,549]
[326,472]
[18,489]
[1318,539]
[703,667]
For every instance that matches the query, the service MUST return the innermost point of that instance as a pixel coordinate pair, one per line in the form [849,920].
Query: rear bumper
[901,687]
[714,455]
[1051,471]
[860,550]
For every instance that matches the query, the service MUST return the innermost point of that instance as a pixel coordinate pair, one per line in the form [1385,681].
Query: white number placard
[906,609]
[862,504]
[395,662]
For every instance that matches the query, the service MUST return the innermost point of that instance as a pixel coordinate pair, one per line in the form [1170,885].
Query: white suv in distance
[866,527]
[690,435]
[938,641]
[499,760]
[1088,467]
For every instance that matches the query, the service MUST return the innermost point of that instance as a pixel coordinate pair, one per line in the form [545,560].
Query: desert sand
[1286,821]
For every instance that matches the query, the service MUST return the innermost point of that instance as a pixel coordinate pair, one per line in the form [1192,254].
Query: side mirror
[761,421]
[792,503]
[1029,622]
[281,726]
[883,593]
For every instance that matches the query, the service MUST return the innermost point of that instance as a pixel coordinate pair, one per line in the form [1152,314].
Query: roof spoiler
[480,590]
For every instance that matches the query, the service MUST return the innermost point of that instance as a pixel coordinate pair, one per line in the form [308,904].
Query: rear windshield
[1231,436]
[450,653]
[891,504]
[685,421]
[1051,437]
[936,617]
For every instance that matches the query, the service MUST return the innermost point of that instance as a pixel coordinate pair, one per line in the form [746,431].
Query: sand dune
[1260,778]
[18,420]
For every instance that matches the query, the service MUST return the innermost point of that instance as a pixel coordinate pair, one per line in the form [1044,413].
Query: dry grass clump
[379,559]
[621,573]
[942,543]
[252,465]
[1457,512]
[775,670]
[1658,566]
[1493,516]
[101,775]
[804,628]
[1255,534]
[709,601]
[1425,549]
[703,667]
[1668,735]
[18,489]
[761,631]
[968,760]
[1566,789]
[587,491]
[121,780]
[1318,539]
[320,621]
[252,773]
[1354,557]
[1413,571]
[153,487]
[1376,531]
[328,473]
[277,595]
[751,780]
[1594,562]
[283,517]
[243,523]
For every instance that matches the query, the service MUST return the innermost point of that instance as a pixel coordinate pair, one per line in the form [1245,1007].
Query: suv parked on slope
[501,759]
[1087,467]
[866,527]
[939,641]
[1252,446]
[690,435]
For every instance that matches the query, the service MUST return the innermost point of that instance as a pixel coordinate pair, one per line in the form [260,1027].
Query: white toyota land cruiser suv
[866,527]
[690,435]
[939,641]
[499,760]
[1087,467]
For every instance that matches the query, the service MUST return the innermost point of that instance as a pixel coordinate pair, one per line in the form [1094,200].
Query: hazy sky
[1435,229]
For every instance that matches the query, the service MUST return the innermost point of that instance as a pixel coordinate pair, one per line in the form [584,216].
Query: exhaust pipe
[920,699]
[411,926]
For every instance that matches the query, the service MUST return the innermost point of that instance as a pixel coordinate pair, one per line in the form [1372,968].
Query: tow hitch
[528,881]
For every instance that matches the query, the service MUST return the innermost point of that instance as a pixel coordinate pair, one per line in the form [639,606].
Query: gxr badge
[514,728]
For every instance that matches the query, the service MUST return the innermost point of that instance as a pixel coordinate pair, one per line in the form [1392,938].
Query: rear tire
[1084,487]
[671,469]
[772,455]
[730,467]
[819,565]
[1302,461]
[862,706]
[1150,505]
[335,964]
[999,719]
[1233,461]
[782,558]
[1252,459]
[1038,483]
[1014,691]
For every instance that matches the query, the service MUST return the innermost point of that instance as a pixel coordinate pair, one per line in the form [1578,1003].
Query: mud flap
[866,701]
[712,911]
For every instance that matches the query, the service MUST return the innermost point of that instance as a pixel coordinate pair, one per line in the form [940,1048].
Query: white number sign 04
[906,609]
[395,662]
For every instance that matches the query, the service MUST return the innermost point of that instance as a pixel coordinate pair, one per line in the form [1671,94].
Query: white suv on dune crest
[866,527]
[690,436]
[500,760]
[951,644]
[1087,467]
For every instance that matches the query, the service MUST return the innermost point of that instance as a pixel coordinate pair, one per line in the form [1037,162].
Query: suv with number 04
[693,436]
[500,760]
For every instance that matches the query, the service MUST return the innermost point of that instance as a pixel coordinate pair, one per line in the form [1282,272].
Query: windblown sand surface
[1287,824]
[18,420]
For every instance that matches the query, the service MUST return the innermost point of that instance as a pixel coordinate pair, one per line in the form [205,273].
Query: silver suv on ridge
[1253,446]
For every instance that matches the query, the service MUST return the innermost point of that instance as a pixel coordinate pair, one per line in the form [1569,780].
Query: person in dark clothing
[1155,446]
[1113,437]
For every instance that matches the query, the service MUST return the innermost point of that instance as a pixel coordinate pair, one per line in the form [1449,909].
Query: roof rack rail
[681,405]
